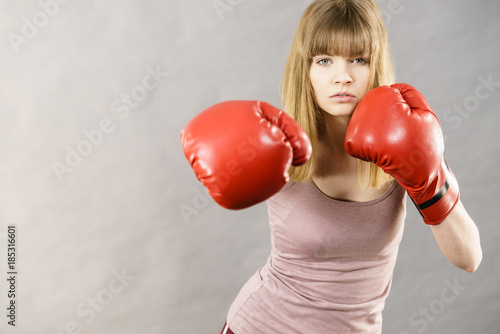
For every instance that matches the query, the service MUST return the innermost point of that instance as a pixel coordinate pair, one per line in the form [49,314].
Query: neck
[332,157]
[335,130]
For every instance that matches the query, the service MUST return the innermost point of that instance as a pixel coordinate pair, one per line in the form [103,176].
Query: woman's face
[339,83]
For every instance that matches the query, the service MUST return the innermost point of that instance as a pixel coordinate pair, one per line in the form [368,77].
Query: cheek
[365,77]
[314,79]
[317,81]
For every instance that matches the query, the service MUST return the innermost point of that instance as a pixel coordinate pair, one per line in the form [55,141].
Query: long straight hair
[347,28]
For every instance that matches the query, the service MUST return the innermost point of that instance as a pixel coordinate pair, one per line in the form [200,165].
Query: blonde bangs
[341,35]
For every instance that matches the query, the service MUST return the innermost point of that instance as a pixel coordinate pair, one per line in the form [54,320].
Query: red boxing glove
[395,128]
[242,150]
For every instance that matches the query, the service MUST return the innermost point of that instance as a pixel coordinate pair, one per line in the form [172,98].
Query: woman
[336,227]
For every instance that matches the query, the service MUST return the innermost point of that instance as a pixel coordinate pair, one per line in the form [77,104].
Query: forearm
[458,238]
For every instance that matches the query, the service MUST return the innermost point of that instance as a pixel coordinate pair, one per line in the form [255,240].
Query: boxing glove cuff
[443,198]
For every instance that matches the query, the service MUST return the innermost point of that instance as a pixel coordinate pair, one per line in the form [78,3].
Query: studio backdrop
[104,227]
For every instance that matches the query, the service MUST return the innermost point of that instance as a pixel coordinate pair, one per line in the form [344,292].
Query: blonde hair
[337,27]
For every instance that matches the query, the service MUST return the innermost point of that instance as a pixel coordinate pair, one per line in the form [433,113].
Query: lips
[343,94]
[343,97]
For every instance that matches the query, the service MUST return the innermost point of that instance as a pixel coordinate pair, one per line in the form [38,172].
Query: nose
[343,75]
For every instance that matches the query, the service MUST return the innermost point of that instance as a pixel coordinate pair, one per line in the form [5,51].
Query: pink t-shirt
[330,268]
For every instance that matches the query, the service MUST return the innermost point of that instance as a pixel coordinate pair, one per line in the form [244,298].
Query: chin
[338,112]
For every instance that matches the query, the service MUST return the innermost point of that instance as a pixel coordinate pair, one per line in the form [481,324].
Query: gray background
[120,208]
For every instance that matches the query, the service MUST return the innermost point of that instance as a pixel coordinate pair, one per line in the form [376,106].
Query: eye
[361,61]
[323,61]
